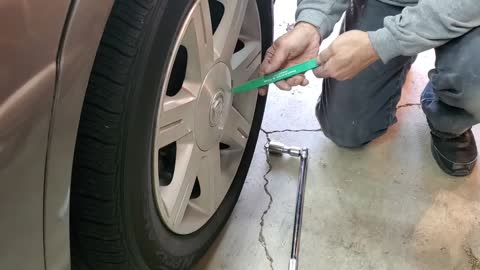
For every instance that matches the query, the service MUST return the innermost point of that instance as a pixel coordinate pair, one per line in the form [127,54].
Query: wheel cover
[204,114]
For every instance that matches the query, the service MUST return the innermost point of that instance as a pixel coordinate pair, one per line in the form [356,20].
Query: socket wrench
[278,149]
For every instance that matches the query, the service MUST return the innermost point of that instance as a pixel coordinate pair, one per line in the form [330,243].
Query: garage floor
[387,206]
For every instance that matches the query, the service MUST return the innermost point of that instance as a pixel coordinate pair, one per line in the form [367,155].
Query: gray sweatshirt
[422,25]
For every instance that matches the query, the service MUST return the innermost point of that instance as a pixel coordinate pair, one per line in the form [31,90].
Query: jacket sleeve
[323,14]
[427,25]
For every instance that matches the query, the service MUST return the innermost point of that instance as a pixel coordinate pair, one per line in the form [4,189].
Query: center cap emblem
[216,109]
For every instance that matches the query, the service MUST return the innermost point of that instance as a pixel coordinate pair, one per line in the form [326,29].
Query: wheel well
[82,32]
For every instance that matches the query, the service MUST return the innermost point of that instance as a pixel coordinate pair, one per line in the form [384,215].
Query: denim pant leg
[356,111]
[451,101]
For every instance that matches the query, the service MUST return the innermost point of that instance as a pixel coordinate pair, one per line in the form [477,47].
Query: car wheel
[164,146]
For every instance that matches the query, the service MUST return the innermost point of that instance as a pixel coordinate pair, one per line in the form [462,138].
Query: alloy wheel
[202,128]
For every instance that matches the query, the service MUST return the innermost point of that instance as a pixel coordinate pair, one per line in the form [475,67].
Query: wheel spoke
[176,196]
[236,130]
[210,179]
[228,31]
[245,63]
[176,118]
[198,41]
[230,160]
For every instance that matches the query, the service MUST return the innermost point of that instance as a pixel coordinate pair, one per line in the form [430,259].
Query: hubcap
[212,107]
[202,129]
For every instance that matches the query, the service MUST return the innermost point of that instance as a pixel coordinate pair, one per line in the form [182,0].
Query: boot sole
[452,168]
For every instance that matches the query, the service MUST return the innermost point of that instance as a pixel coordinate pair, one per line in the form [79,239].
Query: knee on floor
[351,136]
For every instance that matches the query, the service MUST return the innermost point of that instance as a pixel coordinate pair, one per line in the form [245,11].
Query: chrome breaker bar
[278,149]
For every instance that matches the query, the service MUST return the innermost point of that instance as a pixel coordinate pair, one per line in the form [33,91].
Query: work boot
[455,156]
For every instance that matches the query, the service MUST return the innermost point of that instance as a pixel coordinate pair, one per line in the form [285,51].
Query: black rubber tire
[114,220]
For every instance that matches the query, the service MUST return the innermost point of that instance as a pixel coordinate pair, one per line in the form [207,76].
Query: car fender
[82,32]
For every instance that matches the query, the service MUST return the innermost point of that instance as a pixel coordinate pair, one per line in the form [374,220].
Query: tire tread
[97,236]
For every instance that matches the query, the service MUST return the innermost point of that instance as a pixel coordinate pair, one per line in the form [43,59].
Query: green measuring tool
[277,76]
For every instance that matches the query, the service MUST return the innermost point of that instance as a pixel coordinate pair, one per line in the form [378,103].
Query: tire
[115,223]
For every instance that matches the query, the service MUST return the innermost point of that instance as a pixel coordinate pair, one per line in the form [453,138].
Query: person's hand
[347,56]
[297,46]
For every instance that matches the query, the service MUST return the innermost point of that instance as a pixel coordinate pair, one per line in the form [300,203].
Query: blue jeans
[354,112]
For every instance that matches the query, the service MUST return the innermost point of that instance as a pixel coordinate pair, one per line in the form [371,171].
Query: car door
[30,33]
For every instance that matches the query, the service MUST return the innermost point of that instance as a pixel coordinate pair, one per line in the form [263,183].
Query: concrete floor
[387,206]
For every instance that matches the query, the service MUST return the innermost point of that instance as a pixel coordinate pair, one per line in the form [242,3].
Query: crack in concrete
[290,130]
[261,236]
[267,133]
[408,105]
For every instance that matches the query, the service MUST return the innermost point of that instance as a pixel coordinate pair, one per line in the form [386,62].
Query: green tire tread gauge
[277,76]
